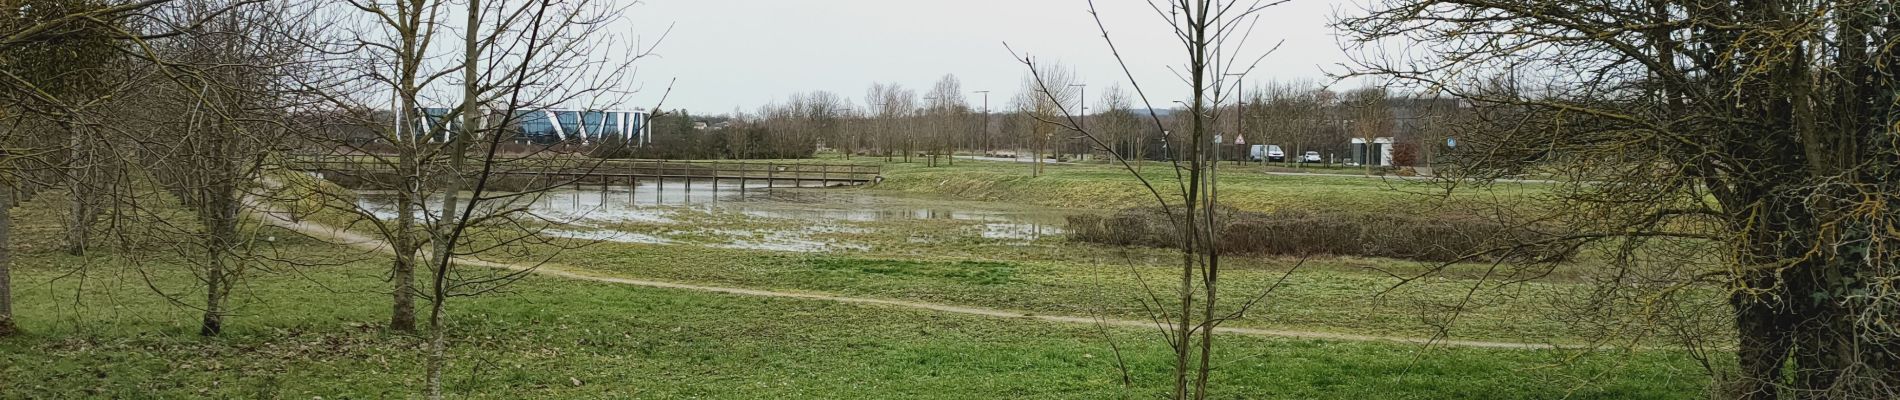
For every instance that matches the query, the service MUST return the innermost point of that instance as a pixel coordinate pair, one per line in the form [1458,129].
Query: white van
[1266,152]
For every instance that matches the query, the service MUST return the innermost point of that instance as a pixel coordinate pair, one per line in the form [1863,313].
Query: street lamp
[1240,116]
[985,124]
[1083,124]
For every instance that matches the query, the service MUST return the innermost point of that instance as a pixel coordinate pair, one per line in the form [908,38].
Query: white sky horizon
[740,55]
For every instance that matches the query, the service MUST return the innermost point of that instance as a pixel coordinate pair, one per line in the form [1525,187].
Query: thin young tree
[497,65]
[1118,123]
[511,51]
[1037,103]
[217,107]
[947,109]
[1214,38]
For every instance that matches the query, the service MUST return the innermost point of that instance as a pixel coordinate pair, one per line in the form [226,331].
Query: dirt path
[360,241]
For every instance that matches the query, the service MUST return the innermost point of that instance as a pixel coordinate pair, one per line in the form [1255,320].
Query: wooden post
[771,176]
[824,176]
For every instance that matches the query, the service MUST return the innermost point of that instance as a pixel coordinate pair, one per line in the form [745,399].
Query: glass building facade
[557,125]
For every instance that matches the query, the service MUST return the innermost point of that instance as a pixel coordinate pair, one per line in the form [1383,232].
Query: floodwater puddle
[1020,231]
[756,217]
[608,236]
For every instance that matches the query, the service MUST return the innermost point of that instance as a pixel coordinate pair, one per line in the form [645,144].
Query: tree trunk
[220,219]
[7,327]
[81,214]
[83,209]
[1765,344]
[459,143]
[403,310]
[438,353]
[215,284]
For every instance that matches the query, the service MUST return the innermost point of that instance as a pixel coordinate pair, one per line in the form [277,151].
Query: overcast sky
[743,54]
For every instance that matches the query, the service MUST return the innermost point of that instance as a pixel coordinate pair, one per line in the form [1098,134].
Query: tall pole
[1083,124]
[846,142]
[984,126]
[1240,119]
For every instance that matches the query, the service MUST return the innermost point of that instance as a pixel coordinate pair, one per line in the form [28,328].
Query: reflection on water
[824,220]
[1019,231]
[608,236]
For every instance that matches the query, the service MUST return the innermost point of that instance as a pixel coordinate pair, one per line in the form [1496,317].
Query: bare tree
[1370,111]
[1750,144]
[1046,105]
[1213,34]
[892,107]
[1119,124]
[947,110]
[218,107]
[501,64]
[51,52]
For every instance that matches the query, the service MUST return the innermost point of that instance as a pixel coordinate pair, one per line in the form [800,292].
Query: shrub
[1405,154]
[1439,238]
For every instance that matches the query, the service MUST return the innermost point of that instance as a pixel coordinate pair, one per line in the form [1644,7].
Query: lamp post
[1240,115]
[984,124]
[1083,123]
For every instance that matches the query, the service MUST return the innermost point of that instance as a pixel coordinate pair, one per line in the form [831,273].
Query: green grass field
[313,333]
[98,327]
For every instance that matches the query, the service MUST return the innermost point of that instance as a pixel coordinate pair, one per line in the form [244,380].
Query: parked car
[1311,157]
[1274,154]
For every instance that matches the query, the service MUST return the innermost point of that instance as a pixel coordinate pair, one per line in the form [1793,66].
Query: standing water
[755,216]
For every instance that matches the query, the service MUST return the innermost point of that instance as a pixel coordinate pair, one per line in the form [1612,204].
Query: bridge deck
[635,170]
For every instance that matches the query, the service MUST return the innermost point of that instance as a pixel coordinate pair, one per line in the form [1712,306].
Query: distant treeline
[678,135]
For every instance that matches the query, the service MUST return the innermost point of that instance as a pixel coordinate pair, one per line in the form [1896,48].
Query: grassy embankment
[95,328]
[943,261]
[1106,187]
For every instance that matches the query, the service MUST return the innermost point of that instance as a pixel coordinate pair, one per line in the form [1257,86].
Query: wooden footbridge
[632,172]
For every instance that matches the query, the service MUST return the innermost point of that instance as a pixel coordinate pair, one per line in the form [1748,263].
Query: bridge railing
[639,169]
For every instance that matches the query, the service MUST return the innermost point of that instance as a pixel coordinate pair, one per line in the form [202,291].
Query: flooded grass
[312,331]
[894,244]
[804,220]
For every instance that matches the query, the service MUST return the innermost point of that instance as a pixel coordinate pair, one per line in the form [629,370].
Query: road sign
[1217,139]
[1240,140]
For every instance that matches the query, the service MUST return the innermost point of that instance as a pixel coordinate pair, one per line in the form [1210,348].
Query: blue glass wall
[551,126]
[433,122]
[535,126]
